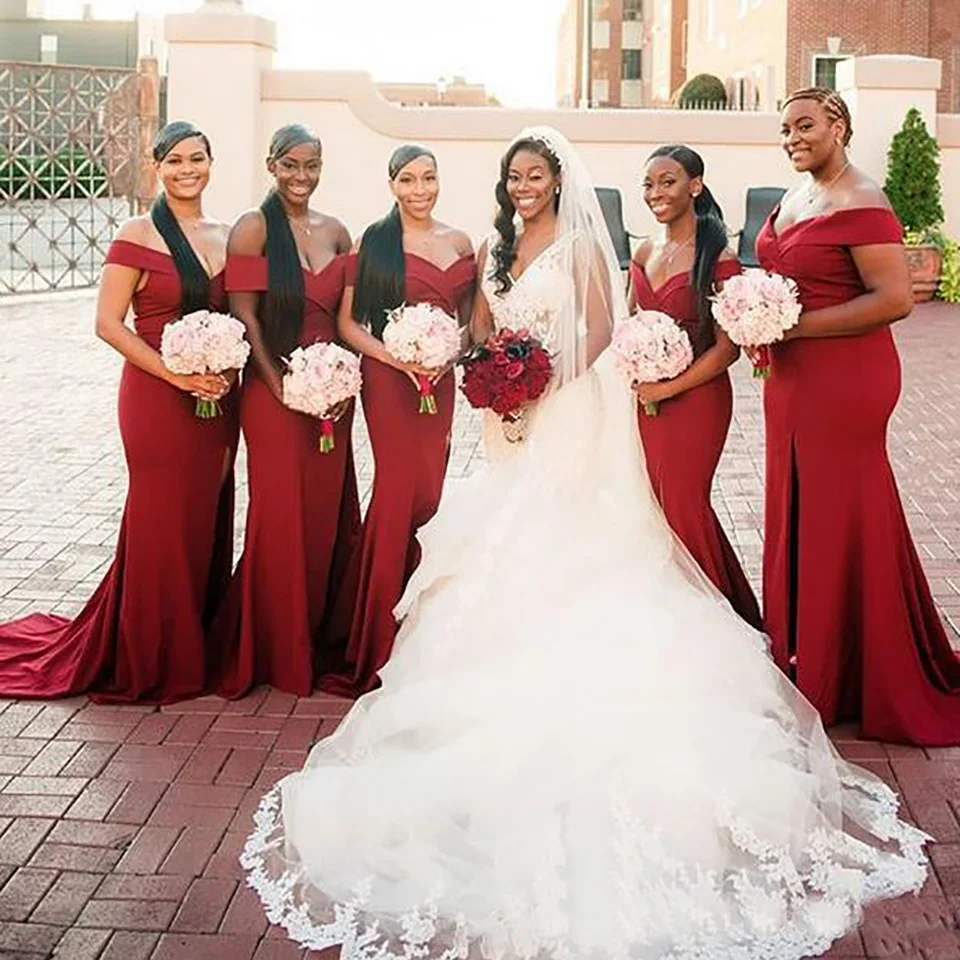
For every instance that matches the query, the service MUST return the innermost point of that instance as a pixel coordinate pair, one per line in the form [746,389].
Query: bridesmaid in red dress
[285,273]
[847,605]
[141,635]
[682,445]
[407,257]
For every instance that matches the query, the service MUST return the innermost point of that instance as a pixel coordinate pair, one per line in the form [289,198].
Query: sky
[510,45]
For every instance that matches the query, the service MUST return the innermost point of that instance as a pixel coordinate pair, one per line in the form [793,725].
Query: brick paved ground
[120,827]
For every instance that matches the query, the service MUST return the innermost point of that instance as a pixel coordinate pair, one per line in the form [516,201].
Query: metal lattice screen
[69,165]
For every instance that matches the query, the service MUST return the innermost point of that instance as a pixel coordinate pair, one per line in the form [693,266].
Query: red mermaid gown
[303,519]
[844,591]
[141,635]
[683,443]
[410,452]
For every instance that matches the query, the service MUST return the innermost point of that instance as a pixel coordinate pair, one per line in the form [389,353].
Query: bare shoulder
[862,191]
[335,230]
[138,230]
[642,254]
[221,230]
[728,255]
[458,239]
[248,233]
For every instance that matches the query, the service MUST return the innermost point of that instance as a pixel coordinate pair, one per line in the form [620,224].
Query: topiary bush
[913,176]
[703,90]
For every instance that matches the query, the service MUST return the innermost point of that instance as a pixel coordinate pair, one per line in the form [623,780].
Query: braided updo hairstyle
[833,105]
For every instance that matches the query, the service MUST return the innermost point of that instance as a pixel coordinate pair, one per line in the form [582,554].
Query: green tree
[913,175]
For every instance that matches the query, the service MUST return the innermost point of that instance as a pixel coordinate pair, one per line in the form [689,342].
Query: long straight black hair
[711,238]
[381,268]
[504,251]
[282,313]
[194,282]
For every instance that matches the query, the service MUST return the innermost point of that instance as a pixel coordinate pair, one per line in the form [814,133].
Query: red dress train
[410,452]
[302,522]
[844,590]
[140,637]
[683,444]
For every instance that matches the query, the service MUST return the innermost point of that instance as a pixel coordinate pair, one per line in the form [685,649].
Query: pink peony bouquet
[204,342]
[319,377]
[755,308]
[650,346]
[422,334]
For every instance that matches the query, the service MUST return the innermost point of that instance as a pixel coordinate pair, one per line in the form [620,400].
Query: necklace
[677,247]
[299,224]
[815,190]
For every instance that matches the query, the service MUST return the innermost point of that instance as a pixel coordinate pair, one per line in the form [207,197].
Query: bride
[578,750]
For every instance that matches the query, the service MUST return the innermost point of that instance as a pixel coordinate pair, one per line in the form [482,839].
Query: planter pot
[924,263]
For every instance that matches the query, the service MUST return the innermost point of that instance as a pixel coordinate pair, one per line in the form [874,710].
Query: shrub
[703,90]
[913,175]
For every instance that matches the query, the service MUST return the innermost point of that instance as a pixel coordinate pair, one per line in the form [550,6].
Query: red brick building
[765,48]
[615,74]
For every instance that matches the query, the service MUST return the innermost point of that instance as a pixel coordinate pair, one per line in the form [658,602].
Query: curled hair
[194,281]
[504,252]
[711,239]
[833,105]
[381,268]
[282,314]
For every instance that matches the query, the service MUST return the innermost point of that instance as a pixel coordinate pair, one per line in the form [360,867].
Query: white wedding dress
[578,750]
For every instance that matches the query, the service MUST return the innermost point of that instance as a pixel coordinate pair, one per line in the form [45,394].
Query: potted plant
[913,188]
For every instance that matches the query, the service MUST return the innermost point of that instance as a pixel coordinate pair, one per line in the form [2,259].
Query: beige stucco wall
[245,99]
[753,44]
[359,130]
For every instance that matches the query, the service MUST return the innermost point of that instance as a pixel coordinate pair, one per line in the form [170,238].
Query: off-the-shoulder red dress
[141,635]
[410,452]
[303,514]
[844,591]
[683,443]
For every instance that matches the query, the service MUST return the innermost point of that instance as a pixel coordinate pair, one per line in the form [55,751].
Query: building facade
[763,49]
[600,53]
[27,35]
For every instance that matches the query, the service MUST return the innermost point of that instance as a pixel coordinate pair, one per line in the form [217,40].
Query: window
[601,34]
[630,65]
[632,9]
[601,91]
[825,71]
[48,48]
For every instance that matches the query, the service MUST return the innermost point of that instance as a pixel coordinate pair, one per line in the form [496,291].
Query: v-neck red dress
[302,522]
[141,635]
[844,590]
[683,443]
[410,452]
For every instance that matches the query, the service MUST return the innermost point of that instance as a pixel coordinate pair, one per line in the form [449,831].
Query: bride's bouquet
[756,308]
[204,342]
[650,346]
[319,377]
[422,334]
[505,372]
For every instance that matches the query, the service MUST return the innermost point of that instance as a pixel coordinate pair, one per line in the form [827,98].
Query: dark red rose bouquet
[511,368]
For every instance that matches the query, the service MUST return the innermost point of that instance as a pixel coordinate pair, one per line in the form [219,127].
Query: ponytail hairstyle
[833,105]
[504,252]
[381,268]
[282,313]
[194,282]
[711,239]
